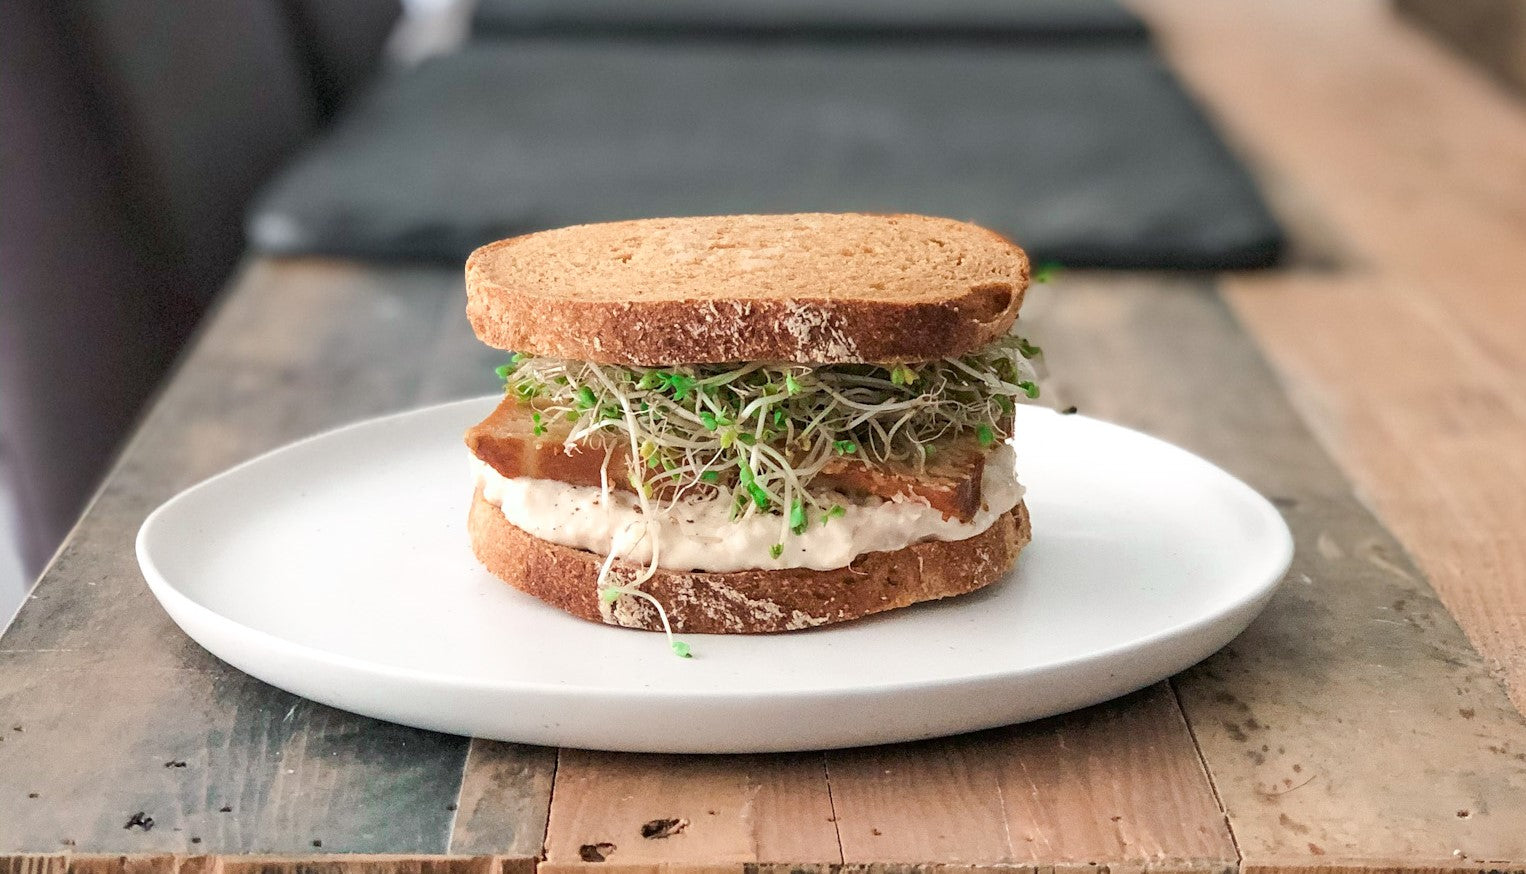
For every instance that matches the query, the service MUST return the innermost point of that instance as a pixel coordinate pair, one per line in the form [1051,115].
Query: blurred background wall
[134,134]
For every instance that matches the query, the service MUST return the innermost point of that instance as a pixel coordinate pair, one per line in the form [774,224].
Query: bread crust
[746,602]
[814,288]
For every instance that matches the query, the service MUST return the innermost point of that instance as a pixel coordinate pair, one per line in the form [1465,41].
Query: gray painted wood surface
[1351,725]
[1352,721]
[119,713]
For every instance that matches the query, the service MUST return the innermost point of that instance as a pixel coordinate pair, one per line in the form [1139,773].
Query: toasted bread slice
[746,602]
[810,287]
[507,441]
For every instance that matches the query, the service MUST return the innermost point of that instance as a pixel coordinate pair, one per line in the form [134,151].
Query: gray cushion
[995,19]
[1087,155]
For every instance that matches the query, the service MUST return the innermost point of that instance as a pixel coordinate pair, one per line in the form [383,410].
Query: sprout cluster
[760,432]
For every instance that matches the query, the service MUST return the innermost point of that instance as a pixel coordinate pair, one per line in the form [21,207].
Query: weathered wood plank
[140,864]
[911,803]
[505,799]
[164,761]
[717,813]
[1352,723]
[1413,155]
[1409,866]
[112,697]
[87,863]
[1415,162]
[1430,436]
[1116,785]
[368,864]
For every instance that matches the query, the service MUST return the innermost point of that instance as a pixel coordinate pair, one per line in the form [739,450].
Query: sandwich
[753,423]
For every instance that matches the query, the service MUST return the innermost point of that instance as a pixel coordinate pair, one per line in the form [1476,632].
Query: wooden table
[1354,726]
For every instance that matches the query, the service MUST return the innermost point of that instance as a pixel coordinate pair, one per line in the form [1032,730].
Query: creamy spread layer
[700,535]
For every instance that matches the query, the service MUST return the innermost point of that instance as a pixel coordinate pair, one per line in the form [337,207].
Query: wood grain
[185,760]
[1351,729]
[1352,723]
[1436,437]
[1410,365]
[909,803]
[121,714]
[1415,158]
[1318,680]
[735,812]
[1117,784]
[505,799]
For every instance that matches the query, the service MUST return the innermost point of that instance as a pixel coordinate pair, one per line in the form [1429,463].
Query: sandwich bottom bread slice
[743,424]
[748,601]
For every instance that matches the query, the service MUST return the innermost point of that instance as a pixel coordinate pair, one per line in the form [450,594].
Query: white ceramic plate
[338,568]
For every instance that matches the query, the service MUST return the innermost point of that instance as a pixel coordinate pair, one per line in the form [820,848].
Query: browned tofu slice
[507,441]
[950,483]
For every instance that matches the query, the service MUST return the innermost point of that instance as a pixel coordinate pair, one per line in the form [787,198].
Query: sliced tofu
[950,483]
[506,440]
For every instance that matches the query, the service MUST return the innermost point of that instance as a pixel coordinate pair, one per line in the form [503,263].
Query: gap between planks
[1118,785]
[826,773]
[503,801]
[1213,786]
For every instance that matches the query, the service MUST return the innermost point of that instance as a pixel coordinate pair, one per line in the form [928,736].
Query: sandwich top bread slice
[750,423]
[811,288]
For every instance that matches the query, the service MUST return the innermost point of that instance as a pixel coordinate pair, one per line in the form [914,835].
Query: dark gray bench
[1089,154]
[990,20]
